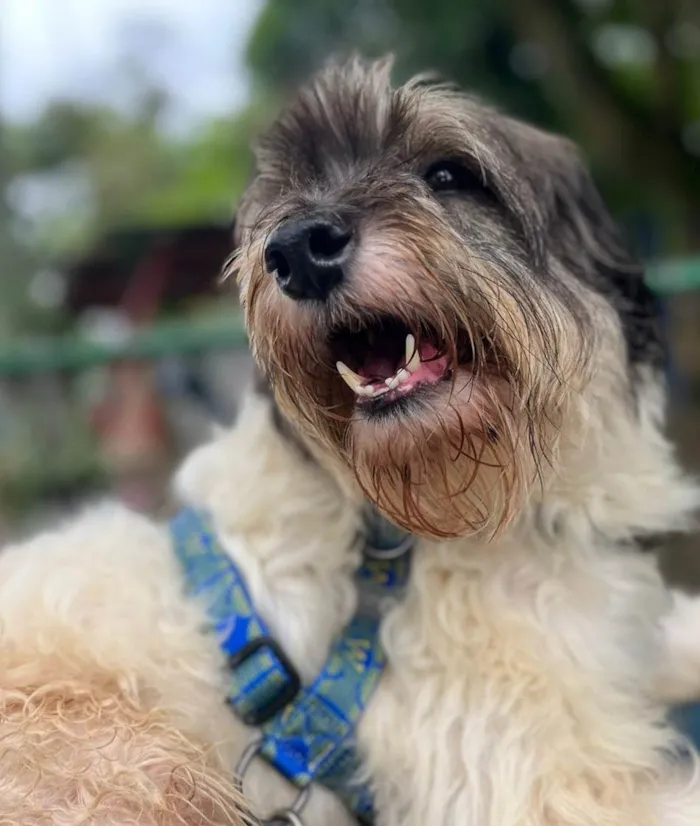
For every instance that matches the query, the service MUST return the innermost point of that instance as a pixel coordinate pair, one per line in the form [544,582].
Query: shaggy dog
[448,316]
[452,329]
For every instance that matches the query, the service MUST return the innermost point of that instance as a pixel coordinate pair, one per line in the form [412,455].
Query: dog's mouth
[386,361]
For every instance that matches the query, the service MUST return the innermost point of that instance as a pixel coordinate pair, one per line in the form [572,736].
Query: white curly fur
[523,672]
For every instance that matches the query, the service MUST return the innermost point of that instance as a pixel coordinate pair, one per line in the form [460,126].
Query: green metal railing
[673,277]
[32,356]
[24,358]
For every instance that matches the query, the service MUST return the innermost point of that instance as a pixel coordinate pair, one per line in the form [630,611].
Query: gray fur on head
[519,276]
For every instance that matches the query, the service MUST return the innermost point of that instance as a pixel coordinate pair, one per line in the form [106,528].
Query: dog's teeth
[410,346]
[353,381]
[412,356]
[372,391]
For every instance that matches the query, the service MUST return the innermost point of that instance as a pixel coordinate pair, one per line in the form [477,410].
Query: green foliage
[63,132]
[211,172]
[292,39]
[132,171]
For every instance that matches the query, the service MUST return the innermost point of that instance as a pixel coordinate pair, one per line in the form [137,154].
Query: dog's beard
[456,448]
[446,465]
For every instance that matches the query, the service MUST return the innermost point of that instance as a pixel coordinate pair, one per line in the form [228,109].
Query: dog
[449,316]
[448,327]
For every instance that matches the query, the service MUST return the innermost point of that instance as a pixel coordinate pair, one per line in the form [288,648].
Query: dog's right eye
[451,176]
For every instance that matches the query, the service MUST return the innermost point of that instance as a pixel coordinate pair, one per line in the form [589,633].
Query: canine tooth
[410,346]
[403,375]
[412,355]
[353,381]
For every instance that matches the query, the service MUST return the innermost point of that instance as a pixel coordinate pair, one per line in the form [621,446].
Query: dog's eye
[450,176]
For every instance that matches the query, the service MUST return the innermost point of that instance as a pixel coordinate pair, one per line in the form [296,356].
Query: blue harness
[307,732]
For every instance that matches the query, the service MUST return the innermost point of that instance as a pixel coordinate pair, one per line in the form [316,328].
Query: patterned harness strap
[307,732]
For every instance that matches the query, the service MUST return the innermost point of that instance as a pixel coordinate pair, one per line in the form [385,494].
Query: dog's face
[429,286]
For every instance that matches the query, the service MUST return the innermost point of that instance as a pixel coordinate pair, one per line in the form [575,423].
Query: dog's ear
[582,234]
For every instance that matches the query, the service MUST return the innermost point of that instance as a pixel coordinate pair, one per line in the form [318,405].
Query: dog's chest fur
[519,669]
[479,707]
[517,689]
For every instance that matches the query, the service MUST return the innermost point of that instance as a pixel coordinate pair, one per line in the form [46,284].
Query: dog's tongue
[377,366]
[381,366]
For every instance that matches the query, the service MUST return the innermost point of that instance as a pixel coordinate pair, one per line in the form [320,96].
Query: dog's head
[430,287]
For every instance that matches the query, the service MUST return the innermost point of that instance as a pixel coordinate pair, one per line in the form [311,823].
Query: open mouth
[386,361]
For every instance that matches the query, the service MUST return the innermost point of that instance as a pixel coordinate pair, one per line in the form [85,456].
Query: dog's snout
[309,256]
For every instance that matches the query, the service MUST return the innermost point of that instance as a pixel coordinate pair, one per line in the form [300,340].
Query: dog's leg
[83,750]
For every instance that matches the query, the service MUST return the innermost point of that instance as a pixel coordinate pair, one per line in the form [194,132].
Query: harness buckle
[288,691]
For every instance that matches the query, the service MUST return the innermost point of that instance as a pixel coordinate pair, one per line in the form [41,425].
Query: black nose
[308,257]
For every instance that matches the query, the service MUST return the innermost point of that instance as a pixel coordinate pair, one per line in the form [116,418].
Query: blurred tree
[125,169]
[470,41]
[114,159]
[212,170]
[17,260]
[82,169]
[621,76]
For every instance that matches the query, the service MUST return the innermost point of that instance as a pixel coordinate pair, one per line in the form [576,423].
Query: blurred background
[125,132]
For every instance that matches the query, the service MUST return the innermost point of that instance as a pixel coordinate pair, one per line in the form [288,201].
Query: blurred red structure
[178,264]
[138,274]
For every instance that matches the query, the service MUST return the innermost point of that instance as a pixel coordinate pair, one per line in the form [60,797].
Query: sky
[72,48]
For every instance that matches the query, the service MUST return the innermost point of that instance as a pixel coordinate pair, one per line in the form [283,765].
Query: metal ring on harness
[285,818]
[384,541]
[388,554]
[291,816]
